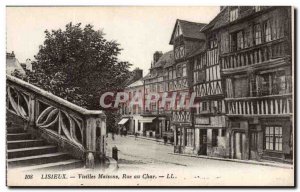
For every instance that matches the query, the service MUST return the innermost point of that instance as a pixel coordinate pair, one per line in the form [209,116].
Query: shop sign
[202,120]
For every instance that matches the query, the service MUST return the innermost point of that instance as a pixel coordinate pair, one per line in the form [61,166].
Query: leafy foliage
[78,64]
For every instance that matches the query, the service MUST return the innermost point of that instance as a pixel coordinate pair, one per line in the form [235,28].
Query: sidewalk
[253,162]
[264,163]
[150,139]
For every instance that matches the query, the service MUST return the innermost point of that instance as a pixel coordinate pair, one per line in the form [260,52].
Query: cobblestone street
[140,155]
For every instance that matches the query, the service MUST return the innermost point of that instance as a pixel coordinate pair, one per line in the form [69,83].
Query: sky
[140,31]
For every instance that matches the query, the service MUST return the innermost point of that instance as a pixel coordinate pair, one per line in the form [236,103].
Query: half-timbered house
[209,116]
[256,65]
[186,37]
[155,118]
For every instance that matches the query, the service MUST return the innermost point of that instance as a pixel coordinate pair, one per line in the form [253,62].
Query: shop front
[210,136]
[184,138]
[124,125]
[261,138]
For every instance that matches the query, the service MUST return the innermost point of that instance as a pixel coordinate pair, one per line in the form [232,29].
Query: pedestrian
[124,131]
[135,135]
[115,153]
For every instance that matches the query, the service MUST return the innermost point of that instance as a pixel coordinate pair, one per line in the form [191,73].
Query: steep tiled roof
[148,76]
[137,83]
[166,59]
[12,64]
[189,29]
[222,19]
[131,79]
[199,49]
[219,20]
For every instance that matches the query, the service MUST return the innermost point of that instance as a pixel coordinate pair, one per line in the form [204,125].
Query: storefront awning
[147,119]
[123,121]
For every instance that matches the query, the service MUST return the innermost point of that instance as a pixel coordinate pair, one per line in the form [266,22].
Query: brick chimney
[137,74]
[10,55]
[156,56]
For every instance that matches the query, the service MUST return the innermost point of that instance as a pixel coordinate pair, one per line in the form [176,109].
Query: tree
[78,65]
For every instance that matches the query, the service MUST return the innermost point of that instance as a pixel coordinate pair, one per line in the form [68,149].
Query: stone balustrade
[78,131]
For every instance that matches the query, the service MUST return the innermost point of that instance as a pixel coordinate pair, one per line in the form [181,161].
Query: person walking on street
[115,153]
[135,135]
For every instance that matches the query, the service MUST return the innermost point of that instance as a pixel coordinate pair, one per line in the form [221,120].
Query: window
[196,63]
[170,74]
[179,70]
[171,86]
[253,90]
[277,28]
[214,138]
[233,42]
[200,76]
[265,84]
[213,42]
[179,52]
[273,138]
[241,87]
[182,52]
[189,138]
[248,39]
[223,133]
[224,42]
[219,106]
[174,74]
[282,84]
[257,31]
[267,30]
[184,73]
[240,40]
[204,106]
[234,14]
[176,53]
[178,31]
[274,83]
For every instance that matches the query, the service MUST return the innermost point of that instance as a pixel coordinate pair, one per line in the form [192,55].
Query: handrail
[53,97]
[74,129]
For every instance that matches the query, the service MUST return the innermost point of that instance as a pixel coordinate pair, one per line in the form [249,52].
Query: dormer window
[213,42]
[179,52]
[234,14]
[178,31]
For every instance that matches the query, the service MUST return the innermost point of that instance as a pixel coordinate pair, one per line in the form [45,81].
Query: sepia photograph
[150,96]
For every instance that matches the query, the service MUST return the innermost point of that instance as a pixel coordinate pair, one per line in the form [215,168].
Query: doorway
[203,142]
[239,140]
[253,144]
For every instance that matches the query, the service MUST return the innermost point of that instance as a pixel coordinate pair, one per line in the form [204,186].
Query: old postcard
[150,96]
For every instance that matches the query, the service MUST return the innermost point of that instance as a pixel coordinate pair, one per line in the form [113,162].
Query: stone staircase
[28,153]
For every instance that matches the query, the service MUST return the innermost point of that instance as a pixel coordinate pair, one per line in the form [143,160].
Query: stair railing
[78,131]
